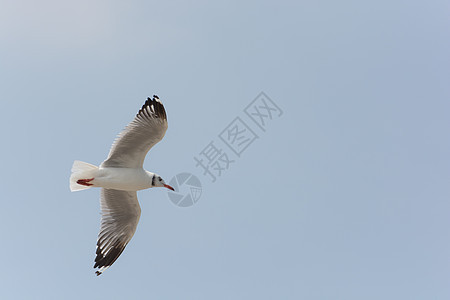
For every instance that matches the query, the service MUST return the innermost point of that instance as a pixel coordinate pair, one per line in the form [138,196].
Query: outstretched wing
[132,144]
[120,216]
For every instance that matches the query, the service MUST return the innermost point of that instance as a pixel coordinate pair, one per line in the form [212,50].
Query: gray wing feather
[132,144]
[120,216]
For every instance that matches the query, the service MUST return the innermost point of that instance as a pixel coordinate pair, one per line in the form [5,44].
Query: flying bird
[119,177]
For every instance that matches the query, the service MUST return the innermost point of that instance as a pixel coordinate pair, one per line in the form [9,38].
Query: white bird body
[120,176]
[124,179]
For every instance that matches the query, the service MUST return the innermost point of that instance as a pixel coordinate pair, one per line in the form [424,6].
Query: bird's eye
[160,179]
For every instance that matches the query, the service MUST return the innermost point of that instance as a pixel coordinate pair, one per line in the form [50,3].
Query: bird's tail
[81,170]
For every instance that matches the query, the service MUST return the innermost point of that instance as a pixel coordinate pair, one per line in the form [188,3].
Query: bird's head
[157,181]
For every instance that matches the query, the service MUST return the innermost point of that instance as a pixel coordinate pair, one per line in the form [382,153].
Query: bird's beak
[169,187]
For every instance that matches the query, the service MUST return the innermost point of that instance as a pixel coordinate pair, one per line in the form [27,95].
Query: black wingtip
[154,98]
[156,107]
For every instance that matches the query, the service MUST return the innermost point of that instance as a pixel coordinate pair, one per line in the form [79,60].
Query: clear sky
[345,195]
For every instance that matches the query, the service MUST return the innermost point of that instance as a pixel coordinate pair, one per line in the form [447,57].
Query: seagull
[119,177]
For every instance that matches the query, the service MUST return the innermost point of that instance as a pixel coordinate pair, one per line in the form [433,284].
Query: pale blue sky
[345,196]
